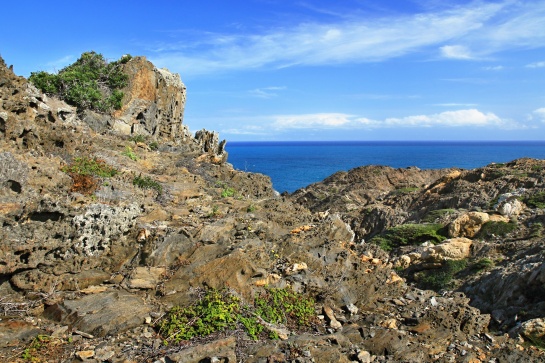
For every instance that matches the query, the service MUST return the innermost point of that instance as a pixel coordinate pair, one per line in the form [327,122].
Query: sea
[293,165]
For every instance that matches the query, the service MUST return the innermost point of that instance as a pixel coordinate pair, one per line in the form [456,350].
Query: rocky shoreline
[109,221]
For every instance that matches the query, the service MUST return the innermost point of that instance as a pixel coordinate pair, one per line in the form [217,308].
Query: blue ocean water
[294,165]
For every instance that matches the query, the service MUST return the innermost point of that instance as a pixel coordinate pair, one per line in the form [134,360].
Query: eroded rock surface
[96,269]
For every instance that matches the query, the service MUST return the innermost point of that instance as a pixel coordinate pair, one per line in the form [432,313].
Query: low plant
[536,200]
[90,166]
[129,152]
[536,230]
[215,311]
[435,215]
[228,192]
[147,182]
[441,279]
[84,172]
[44,348]
[251,208]
[495,228]
[483,264]
[137,138]
[219,310]
[154,145]
[409,234]
[214,212]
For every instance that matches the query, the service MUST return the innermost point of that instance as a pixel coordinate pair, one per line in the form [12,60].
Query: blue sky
[315,69]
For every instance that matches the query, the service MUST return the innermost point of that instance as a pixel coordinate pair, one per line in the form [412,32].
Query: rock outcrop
[93,262]
[153,104]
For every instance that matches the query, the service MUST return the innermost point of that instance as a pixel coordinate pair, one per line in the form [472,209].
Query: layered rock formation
[94,262]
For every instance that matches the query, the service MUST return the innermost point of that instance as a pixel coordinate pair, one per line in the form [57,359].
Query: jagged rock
[153,104]
[211,146]
[146,277]
[533,329]
[13,174]
[109,222]
[222,350]
[101,314]
[451,249]
[467,225]
[509,204]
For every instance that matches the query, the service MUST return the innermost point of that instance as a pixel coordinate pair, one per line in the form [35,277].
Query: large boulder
[452,249]
[467,225]
[153,104]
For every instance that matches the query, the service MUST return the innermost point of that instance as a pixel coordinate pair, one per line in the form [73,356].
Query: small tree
[89,83]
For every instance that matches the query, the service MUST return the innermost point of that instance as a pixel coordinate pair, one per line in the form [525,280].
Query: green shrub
[409,234]
[89,83]
[536,230]
[147,182]
[90,166]
[434,215]
[228,192]
[218,310]
[441,279]
[137,138]
[129,152]
[483,264]
[154,145]
[536,200]
[493,228]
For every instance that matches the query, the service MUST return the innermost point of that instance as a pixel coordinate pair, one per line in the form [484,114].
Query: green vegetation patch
[438,214]
[90,83]
[536,200]
[129,152]
[90,166]
[228,192]
[147,182]
[441,279]
[410,234]
[219,310]
[493,228]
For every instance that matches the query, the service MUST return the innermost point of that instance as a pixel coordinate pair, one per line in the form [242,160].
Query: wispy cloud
[538,114]
[455,52]
[536,65]
[494,68]
[469,118]
[472,31]
[266,92]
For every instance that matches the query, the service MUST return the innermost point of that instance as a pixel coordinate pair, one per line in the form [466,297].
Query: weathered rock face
[153,104]
[468,225]
[111,263]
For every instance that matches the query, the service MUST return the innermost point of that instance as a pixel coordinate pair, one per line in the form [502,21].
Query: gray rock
[223,349]
[101,314]
[100,224]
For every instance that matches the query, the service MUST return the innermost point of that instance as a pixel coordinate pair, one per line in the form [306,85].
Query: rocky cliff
[110,221]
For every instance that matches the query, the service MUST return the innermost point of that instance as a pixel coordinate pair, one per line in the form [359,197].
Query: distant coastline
[296,164]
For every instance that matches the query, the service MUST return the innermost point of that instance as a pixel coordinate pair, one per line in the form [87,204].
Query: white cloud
[470,117]
[316,120]
[455,52]
[539,114]
[266,92]
[494,68]
[478,30]
[536,65]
